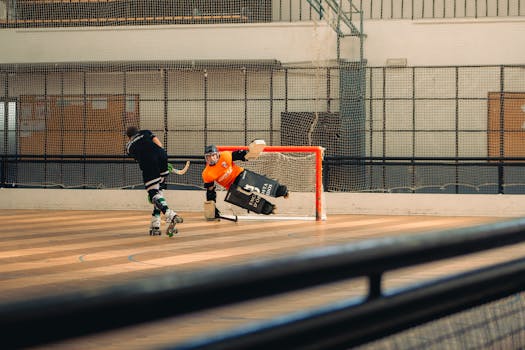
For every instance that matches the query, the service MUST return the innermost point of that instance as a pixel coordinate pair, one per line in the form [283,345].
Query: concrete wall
[422,42]
[289,42]
[336,203]
[446,42]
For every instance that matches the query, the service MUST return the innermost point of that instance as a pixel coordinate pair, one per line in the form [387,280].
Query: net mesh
[418,129]
[50,13]
[296,169]
[293,169]
[117,12]
[496,325]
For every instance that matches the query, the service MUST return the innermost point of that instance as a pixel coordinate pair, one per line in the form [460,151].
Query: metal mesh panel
[497,325]
[414,129]
[403,9]
[67,13]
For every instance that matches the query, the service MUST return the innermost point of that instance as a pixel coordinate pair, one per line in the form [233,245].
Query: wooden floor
[44,252]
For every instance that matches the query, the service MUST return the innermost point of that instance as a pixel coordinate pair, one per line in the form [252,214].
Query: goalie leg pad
[268,208]
[251,202]
[282,191]
[209,210]
[253,182]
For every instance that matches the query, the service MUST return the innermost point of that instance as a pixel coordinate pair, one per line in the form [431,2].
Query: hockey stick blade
[183,170]
[229,218]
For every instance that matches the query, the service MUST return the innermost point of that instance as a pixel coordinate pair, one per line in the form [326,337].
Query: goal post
[300,168]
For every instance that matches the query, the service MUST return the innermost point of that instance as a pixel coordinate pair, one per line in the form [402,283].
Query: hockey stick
[179,171]
[229,218]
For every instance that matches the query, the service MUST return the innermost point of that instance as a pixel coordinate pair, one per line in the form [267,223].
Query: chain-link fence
[413,129]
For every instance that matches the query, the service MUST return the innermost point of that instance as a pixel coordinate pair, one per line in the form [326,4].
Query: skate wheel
[172,231]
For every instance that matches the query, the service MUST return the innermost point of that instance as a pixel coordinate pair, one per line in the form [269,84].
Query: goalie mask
[211,154]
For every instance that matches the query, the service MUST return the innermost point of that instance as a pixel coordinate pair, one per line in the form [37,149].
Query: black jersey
[142,147]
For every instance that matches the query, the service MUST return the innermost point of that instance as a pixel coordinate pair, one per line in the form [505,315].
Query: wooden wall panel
[75,124]
[506,124]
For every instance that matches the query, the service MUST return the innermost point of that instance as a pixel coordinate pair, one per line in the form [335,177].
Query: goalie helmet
[211,154]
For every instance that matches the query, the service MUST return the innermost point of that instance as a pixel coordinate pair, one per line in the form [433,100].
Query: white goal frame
[318,151]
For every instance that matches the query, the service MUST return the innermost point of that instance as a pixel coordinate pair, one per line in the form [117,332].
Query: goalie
[244,186]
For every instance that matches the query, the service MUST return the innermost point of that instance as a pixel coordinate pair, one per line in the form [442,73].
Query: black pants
[154,168]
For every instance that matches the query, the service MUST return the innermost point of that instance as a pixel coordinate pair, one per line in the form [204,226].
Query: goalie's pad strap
[253,182]
[209,210]
[251,202]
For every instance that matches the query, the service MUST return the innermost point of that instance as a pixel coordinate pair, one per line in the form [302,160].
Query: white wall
[421,42]
[446,42]
[289,42]
[336,203]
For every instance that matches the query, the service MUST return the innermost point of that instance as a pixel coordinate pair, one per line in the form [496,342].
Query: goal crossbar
[318,151]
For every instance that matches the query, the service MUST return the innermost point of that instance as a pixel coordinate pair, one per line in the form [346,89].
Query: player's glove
[254,149]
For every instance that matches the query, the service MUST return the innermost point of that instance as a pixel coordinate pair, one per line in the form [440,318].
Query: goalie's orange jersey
[224,172]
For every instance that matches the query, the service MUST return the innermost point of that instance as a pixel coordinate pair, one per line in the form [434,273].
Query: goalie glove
[254,149]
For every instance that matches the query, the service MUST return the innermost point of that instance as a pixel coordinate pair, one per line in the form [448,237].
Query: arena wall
[420,42]
[336,203]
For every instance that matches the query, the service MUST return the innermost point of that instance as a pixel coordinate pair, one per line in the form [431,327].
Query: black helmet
[210,149]
[211,154]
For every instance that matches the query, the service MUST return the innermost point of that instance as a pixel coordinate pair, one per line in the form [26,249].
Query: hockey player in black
[147,150]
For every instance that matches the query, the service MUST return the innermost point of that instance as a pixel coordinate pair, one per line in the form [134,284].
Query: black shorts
[154,167]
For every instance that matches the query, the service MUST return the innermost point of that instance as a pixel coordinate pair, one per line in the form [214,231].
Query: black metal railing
[474,175]
[437,9]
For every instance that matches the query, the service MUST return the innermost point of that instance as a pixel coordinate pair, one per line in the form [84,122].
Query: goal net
[297,167]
